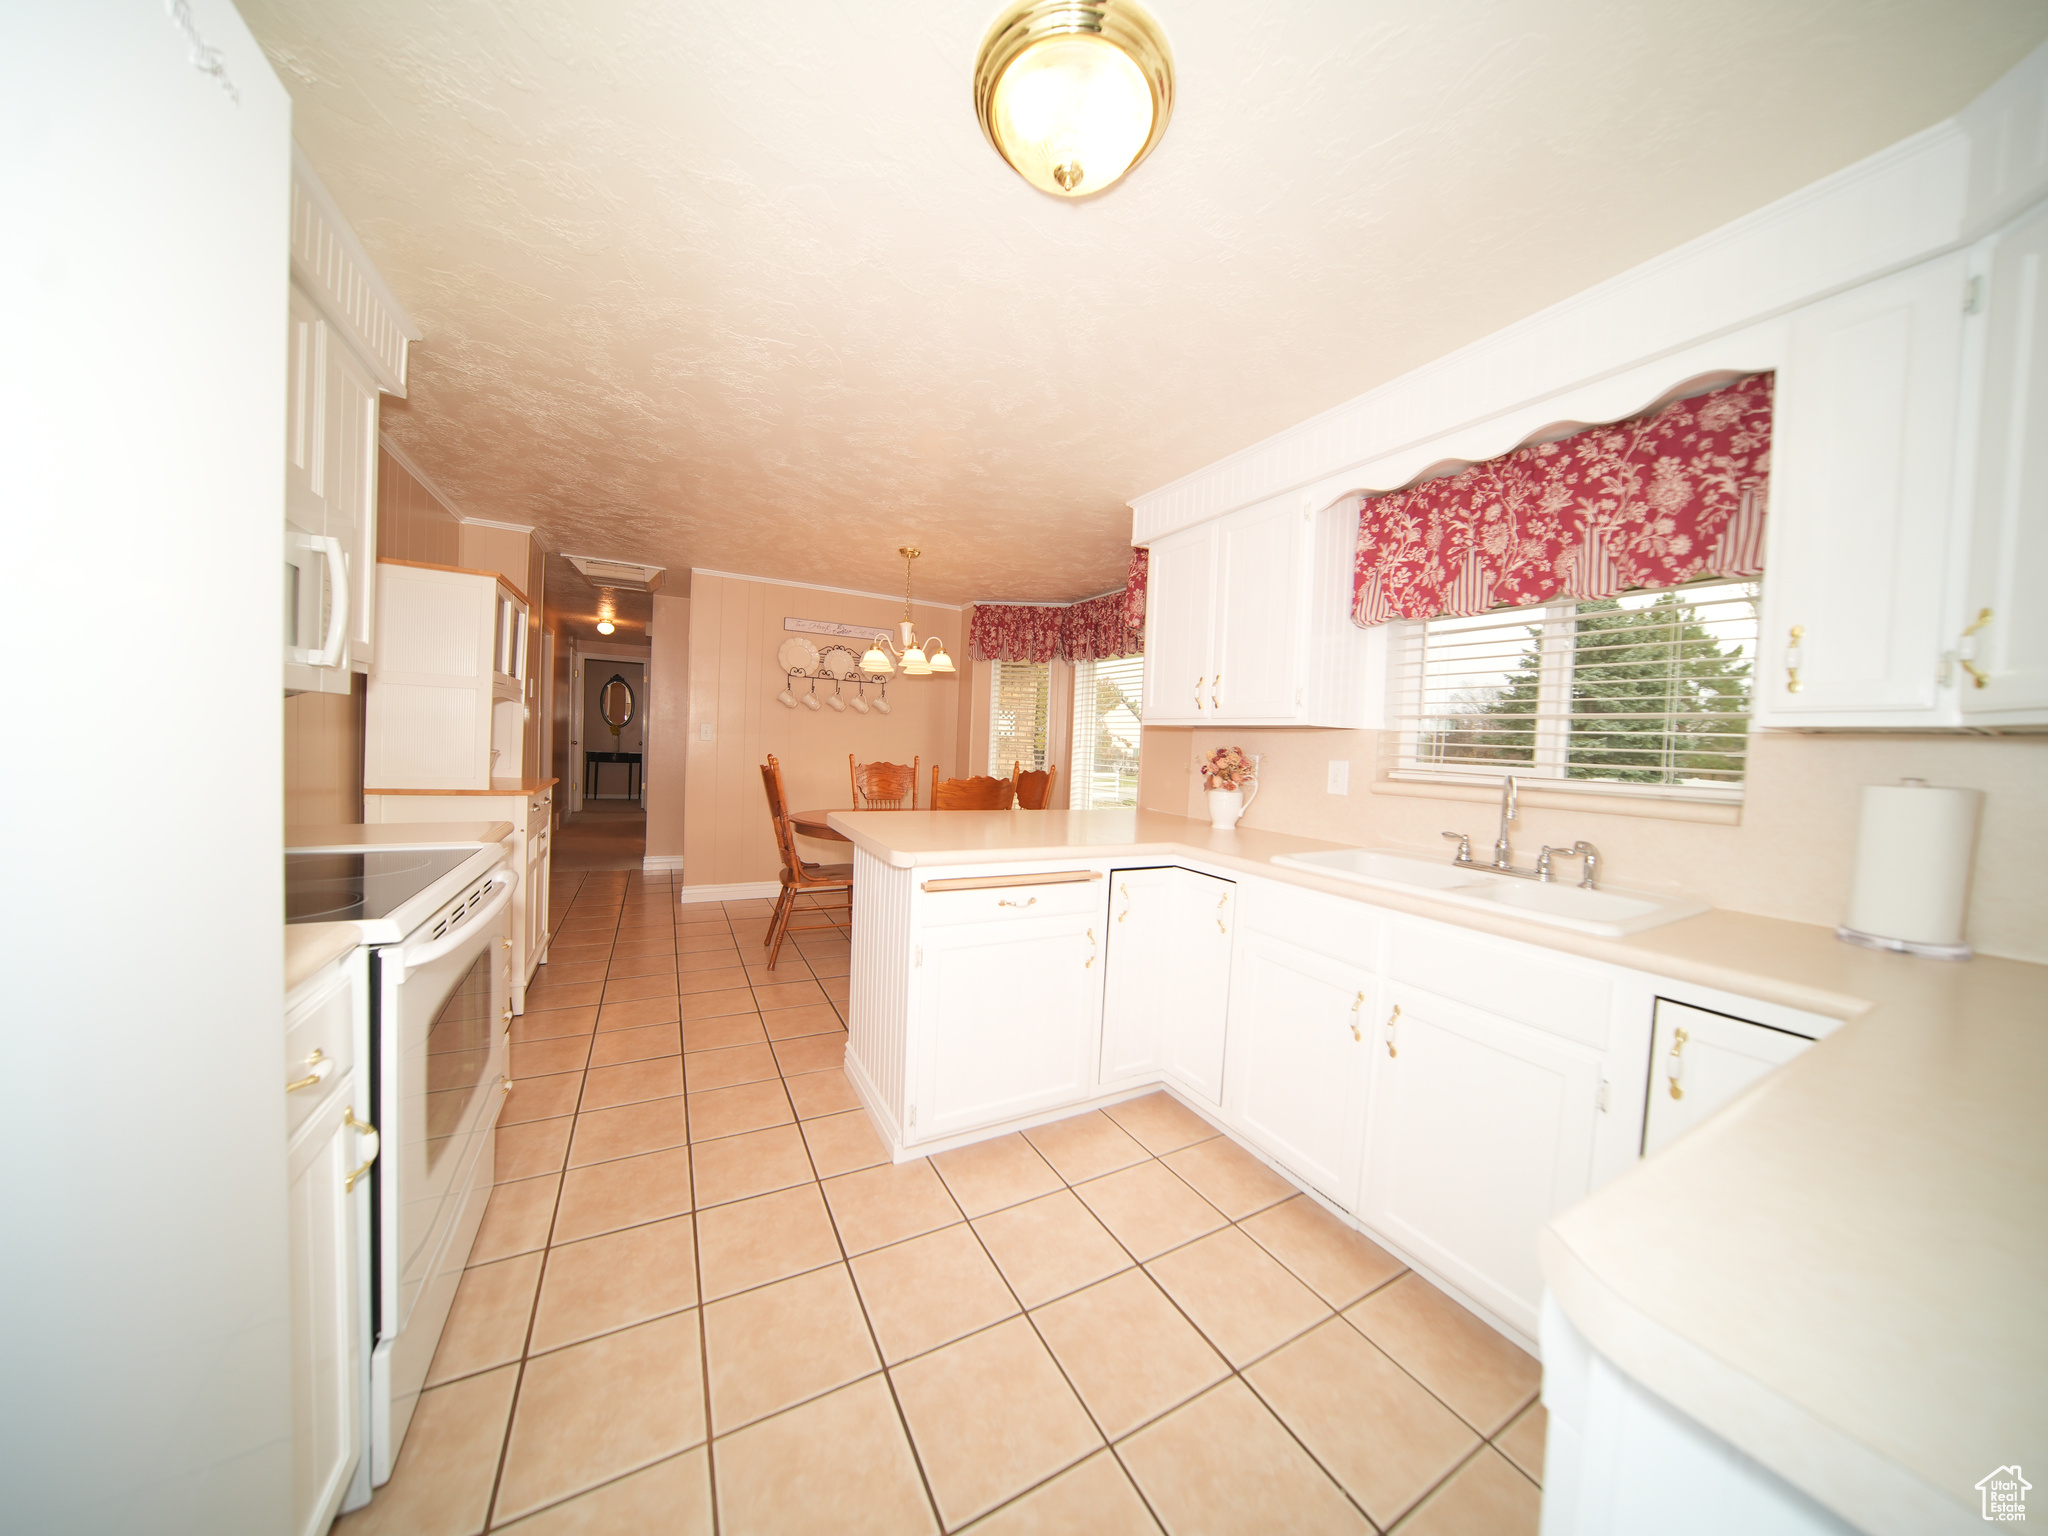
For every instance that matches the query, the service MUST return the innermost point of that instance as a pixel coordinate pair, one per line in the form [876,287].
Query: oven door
[442,1046]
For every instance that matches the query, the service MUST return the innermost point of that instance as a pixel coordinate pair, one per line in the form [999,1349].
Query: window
[1646,693]
[1108,710]
[1018,705]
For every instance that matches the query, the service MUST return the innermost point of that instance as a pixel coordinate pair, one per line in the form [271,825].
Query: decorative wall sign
[846,631]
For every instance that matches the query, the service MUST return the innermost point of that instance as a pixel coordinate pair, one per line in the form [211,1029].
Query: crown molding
[447,502]
[332,268]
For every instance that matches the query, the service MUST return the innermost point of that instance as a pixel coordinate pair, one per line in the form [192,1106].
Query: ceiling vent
[620,574]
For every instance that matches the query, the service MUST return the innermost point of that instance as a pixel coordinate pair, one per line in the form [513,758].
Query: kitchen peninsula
[1456,1083]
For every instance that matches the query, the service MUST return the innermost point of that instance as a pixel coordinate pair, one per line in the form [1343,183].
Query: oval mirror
[615,703]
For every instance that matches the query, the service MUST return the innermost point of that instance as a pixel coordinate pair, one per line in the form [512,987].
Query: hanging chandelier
[916,662]
[1073,93]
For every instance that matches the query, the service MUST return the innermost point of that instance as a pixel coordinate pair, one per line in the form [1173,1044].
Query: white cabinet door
[326,1348]
[1299,1056]
[2009,522]
[350,455]
[1482,1130]
[1006,1024]
[1863,458]
[1180,599]
[1166,994]
[1699,1061]
[1261,617]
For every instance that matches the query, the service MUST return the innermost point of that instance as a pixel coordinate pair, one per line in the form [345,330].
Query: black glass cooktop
[344,887]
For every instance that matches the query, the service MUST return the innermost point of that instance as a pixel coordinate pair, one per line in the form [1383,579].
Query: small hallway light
[605,626]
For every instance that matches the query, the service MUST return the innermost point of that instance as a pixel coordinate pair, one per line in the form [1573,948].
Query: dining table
[812,824]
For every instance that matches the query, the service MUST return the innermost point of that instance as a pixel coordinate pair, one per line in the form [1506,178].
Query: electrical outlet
[1340,776]
[704,732]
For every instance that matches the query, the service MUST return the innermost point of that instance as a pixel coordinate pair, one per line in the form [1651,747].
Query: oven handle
[412,958]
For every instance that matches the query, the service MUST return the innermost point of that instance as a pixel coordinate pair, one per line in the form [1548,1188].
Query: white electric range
[436,915]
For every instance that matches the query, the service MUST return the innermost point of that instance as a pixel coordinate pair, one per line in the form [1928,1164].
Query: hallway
[604,835]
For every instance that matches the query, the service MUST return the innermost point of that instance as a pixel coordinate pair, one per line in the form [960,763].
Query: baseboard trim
[656,862]
[745,890]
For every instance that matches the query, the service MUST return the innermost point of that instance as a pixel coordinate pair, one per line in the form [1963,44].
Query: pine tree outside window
[1644,694]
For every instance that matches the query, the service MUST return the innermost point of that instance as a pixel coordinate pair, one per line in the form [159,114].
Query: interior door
[1482,1130]
[1298,1059]
[1261,616]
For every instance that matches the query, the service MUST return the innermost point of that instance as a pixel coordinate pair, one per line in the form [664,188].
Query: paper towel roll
[1913,852]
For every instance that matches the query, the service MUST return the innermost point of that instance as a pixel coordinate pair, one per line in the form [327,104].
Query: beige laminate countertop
[498,787]
[1845,1273]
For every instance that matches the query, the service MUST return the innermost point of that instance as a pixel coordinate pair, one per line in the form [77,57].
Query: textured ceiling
[741,285]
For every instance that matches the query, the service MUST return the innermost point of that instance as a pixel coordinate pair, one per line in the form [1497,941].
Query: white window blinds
[1646,693]
[1019,706]
[1108,700]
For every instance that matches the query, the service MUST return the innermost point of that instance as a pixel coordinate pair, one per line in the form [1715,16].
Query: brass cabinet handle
[317,1068]
[1356,1003]
[1793,659]
[1091,950]
[1392,1019]
[1215,683]
[1677,1068]
[504,1083]
[1019,905]
[1966,651]
[368,1132]
[1198,693]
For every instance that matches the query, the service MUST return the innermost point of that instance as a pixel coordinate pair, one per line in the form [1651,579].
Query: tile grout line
[697,1260]
[533,1310]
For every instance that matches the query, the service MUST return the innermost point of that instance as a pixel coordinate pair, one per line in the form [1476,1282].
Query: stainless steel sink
[1610,912]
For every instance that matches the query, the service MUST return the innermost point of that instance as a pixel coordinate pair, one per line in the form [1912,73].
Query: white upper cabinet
[1239,621]
[347,343]
[1863,483]
[444,711]
[2001,649]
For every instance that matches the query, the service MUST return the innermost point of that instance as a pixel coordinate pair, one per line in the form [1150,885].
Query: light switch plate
[1340,776]
[704,732]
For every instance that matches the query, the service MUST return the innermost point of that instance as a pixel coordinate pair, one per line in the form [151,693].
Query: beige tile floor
[703,1301]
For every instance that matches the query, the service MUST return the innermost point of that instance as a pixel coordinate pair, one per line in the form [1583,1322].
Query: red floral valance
[1647,503]
[1102,627]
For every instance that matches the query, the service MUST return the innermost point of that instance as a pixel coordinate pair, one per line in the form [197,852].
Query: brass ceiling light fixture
[1074,93]
[912,652]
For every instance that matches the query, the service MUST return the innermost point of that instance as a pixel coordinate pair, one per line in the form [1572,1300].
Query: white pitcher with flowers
[1226,771]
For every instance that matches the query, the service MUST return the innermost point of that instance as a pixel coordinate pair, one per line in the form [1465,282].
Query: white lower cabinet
[326,1021]
[1299,1053]
[1482,1130]
[1005,1018]
[1166,996]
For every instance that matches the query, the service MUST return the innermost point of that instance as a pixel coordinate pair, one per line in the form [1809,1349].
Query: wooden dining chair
[798,878]
[1033,789]
[979,793]
[884,786]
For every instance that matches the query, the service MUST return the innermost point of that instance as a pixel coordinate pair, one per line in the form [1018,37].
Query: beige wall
[323,758]
[411,522]
[735,629]
[1789,856]
[668,725]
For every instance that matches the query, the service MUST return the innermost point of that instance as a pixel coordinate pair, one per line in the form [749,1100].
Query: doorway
[606,771]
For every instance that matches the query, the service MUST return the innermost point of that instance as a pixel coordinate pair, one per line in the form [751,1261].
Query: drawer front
[1012,896]
[1324,924]
[1513,981]
[319,1042]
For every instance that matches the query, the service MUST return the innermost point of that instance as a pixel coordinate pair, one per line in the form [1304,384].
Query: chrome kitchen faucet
[1504,853]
